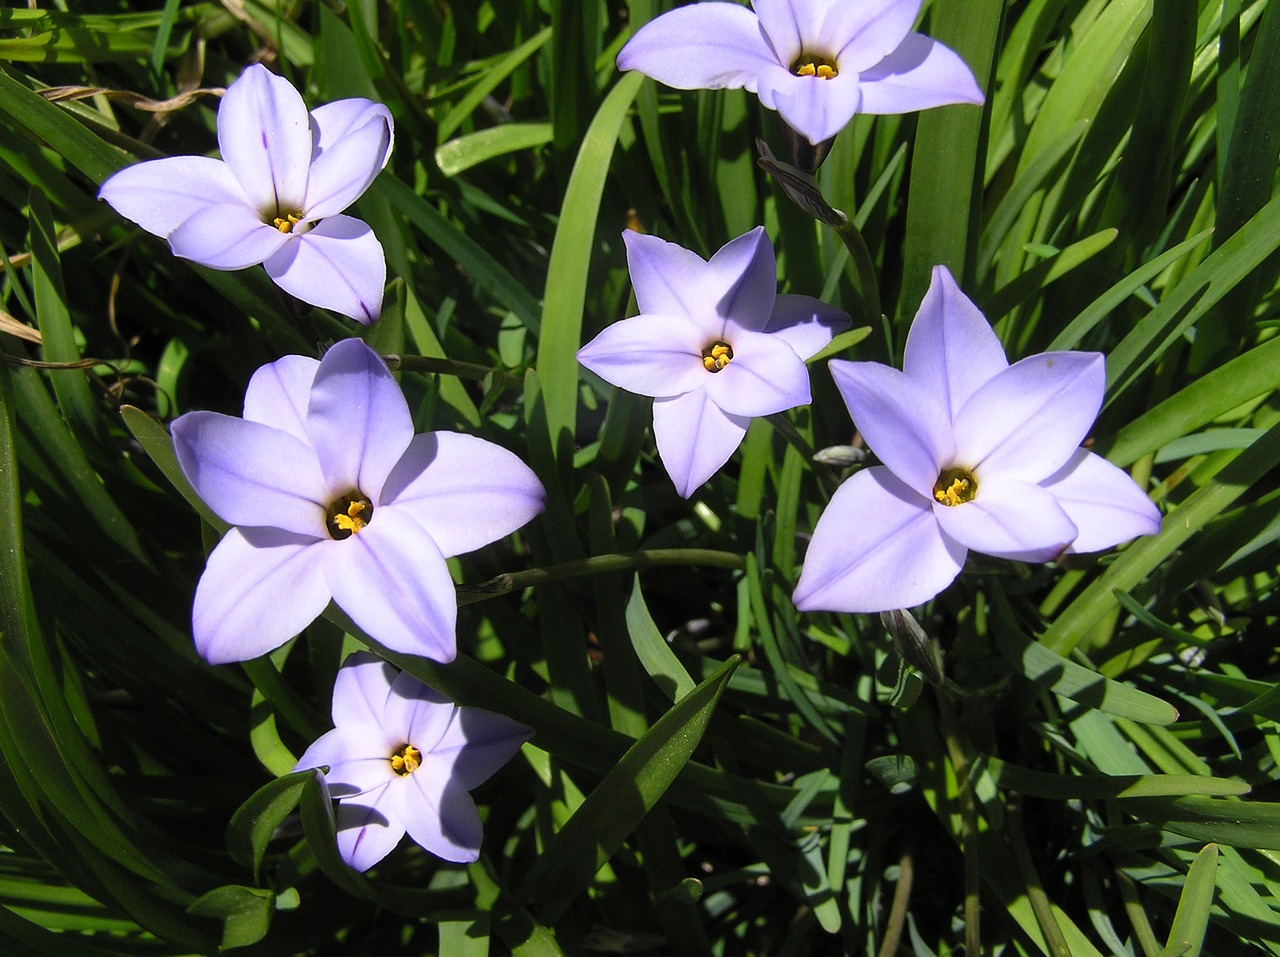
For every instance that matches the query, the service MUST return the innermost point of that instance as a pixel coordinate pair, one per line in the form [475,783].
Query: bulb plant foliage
[594,534]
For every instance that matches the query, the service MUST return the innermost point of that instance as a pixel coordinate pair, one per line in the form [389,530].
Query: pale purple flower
[978,454]
[333,497]
[402,757]
[817,62]
[276,196]
[714,344]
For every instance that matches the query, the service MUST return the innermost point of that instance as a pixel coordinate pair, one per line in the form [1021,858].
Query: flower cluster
[332,496]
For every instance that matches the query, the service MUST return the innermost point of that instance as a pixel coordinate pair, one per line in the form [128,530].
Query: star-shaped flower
[978,454]
[817,62]
[402,757]
[714,344]
[334,497]
[276,196]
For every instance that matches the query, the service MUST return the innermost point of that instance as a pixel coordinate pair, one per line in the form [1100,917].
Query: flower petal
[765,376]
[736,288]
[702,46]
[418,712]
[278,395]
[392,580]
[1009,519]
[666,277]
[260,587]
[901,420]
[1106,505]
[361,689]
[338,264]
[695,438]
[815,107]
[480,742]
[264,133]
[370,827]
[357,419]
[951,350]
[251,474]
[464,491]
[869,31]
[159,195]
[806,324]
[331,122]
[1028,420]
[226,236]
[876,547]
[649,355]
[788,24]
[741,283]
[345,169]
[441,816]
[358,758]
[919,75]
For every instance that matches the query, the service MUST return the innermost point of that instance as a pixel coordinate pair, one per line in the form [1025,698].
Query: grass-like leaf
[620,801]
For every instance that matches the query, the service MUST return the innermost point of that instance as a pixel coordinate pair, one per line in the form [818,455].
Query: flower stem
[789,432]
[968,825]
[1040,904]
[802,189]
[1137,915]
[851,236]
[898,912]
[598,565]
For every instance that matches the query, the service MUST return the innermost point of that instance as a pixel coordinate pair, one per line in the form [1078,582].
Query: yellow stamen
[955,487]
[351,521]
[817,67]
[407,760]
[716,356]
[286,222]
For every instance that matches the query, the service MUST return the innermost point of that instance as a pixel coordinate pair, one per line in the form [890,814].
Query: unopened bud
[914,645]
[841,456]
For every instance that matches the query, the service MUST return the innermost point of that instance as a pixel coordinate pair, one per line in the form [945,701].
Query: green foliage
[1093,765]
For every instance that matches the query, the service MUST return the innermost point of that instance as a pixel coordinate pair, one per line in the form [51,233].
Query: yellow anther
[348,514]
[716,356]
[286,223]
[953,494]
[407,760]
[818,68]
[351,521]
[955,487]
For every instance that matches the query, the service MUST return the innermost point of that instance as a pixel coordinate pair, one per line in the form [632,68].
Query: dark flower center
[286,221]
[348,515]
[815,66]
[406,760]
[716,356]
[955,487]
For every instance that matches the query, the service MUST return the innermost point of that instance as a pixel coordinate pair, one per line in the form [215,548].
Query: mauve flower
[817,62]
[402,757]
[978,454]
[333,497]
[714,344]
[276,196]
